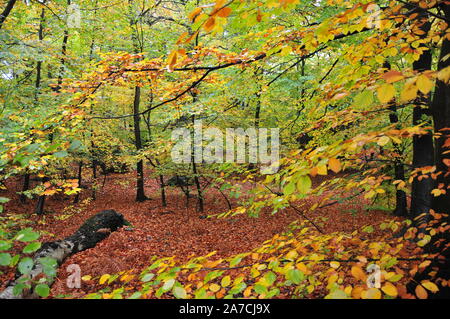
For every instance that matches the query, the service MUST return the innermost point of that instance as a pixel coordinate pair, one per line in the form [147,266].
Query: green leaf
[4,245]
[289,188]
[304,184]
[26,235]
[4,200]
[168,285]
[60,154]
[5,259]
[235,261]
[337,294]
[260,289]
[368,229]
[136,295]
[48,266]
[270,278]
[147,277]
[75,145]
[17,290]
[179,292]
[364,99]
[31,248]
[25,265]
[42,290]
[295,275]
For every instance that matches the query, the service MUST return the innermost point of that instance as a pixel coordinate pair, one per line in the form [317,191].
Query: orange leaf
[393,76]
[335,165]
[210,23]
[224,12]
[421,293]
[358,273]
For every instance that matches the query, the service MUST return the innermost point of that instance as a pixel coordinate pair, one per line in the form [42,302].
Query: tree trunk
[80,178]
[441,116]
[423,148]
[94,230]
[26,179]
[63,54]
[163,190]
[7,11]
[401,206]
[140,192]
[195,172]
[25,187]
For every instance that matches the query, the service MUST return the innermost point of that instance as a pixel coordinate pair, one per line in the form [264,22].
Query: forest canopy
[224,149]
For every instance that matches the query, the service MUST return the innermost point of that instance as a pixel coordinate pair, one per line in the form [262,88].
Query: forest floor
[165,231]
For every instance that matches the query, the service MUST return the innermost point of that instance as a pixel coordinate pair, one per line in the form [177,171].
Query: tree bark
[94,230]
[7,11]
[63,56]
[140,192]
[401,205]
[423,148]
[80,179]
[441,116]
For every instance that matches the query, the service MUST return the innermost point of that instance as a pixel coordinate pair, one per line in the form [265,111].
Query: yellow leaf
[386,93]
[172,59]
[104,278]
[372,293]
[424,84]
[409,93]
[86,278]
[226,281]
[430,286]
[248,292]
[334,264]
[214,287]
[322,170]
[390,290]
[348,290]
[383,140]
[194,14]
[358,273]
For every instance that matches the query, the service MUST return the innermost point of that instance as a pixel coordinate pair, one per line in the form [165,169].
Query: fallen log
[94,230]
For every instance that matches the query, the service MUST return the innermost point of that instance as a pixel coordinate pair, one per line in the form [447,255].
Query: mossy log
[94,230]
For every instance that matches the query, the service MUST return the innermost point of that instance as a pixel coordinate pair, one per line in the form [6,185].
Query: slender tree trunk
[195,172]
[163,190]
[26,178]
[25,187]
[401,206]
[6,11]
[41,201]
[140,192]
[80,179]
[423,148]
[63,56]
